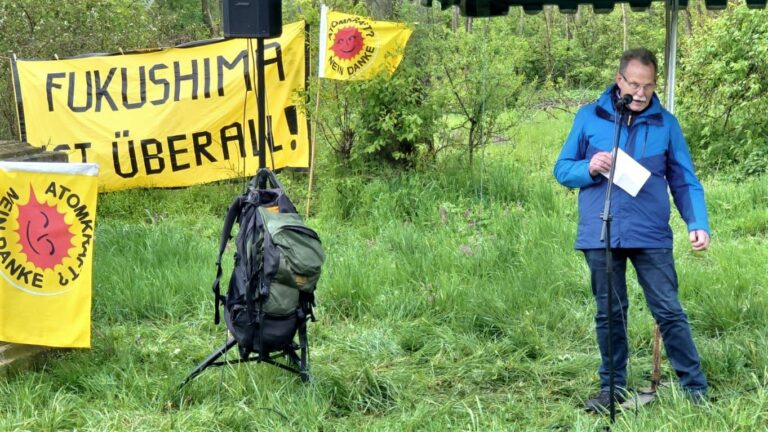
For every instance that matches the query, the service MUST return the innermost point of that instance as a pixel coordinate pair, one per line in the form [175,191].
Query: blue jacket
[654,139]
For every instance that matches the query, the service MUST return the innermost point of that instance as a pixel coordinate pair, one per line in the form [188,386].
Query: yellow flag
[47,217]
[357,48]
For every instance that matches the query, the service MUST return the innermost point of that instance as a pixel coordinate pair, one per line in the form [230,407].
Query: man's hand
[600,162]
[699,240]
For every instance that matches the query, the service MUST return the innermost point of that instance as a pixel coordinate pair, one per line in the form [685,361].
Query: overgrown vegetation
[724,92]
[451,300]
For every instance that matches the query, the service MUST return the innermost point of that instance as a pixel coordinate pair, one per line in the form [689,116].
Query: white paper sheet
[629,174]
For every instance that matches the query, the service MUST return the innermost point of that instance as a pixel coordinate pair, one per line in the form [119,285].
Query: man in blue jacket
[640,228]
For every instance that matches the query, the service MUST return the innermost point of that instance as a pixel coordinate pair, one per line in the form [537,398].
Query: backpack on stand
[270,295]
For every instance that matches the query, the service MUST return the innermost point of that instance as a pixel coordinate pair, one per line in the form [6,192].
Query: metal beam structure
[488,8]
[670,53]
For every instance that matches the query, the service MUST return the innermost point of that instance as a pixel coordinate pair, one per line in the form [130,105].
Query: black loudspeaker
[252,18]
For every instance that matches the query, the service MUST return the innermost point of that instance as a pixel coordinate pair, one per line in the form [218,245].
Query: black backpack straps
[263,354]
[285,205]
[306,303]
[264,175]
[250,230]
[226,234]
[229,221]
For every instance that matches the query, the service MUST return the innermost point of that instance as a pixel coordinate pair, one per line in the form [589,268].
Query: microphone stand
[605,237]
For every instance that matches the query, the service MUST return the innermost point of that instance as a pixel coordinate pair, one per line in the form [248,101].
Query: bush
[722,95]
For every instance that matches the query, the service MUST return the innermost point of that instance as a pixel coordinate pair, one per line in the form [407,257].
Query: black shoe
[600,401]
[698,398]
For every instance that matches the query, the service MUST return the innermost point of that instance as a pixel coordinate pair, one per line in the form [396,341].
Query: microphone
[623,103]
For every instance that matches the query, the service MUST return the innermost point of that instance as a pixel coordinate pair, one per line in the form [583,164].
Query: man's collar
[605,108]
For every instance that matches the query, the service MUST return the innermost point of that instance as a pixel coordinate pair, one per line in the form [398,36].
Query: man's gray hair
[643,55]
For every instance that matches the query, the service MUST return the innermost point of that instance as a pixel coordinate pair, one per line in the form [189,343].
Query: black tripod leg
[304,347]
[303,367]
[209,361]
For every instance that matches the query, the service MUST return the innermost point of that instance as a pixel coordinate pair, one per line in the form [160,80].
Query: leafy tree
[388,120]
[723,82]
[187,20]
[582,50]
[34,29]
[478,80]
[383,120]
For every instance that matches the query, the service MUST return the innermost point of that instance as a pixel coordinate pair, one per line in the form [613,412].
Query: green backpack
[278,261]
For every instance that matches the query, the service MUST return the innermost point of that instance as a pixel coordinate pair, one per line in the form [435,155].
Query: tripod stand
[298,361]
[259,20]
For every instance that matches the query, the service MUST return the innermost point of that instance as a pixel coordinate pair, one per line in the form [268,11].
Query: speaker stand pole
[261,101]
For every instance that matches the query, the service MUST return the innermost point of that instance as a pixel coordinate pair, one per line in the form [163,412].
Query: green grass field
[451,299]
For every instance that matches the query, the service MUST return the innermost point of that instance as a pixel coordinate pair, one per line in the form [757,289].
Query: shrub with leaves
[722,93]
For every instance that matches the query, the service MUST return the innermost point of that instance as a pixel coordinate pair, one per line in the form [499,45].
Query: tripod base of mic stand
[297,364]
[642,397]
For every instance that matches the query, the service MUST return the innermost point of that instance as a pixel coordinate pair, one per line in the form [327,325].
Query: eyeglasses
[635,86]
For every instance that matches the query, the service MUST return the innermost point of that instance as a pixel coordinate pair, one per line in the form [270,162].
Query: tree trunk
[687,21]
[548,40]
[471,146]
[381,9]
[455,19]
[207,18]
[625,23]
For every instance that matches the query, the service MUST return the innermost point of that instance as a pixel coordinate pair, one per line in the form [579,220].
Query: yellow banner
[171,117]
[47,217]
[357,48]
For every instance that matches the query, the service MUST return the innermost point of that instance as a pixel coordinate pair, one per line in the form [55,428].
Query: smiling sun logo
[348,43]
[44,234]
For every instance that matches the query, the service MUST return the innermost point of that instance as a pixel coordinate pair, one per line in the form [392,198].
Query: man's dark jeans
[656,274]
